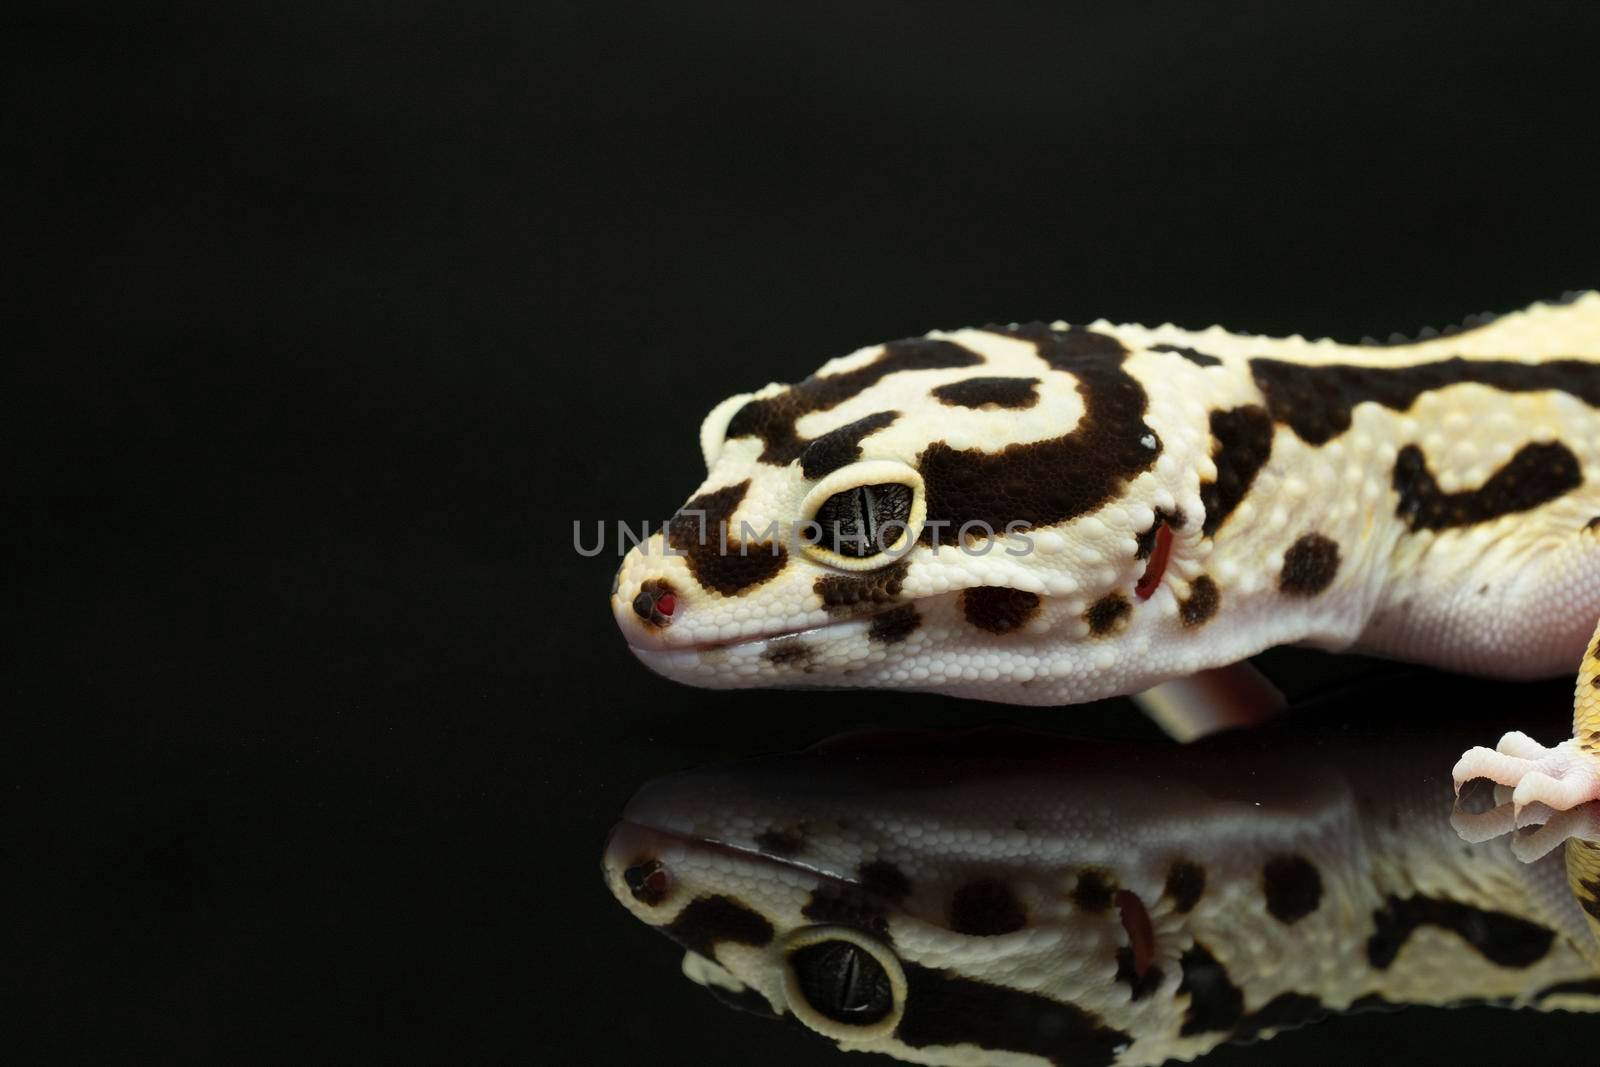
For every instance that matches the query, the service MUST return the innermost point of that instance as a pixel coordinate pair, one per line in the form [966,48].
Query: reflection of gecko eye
[843,983]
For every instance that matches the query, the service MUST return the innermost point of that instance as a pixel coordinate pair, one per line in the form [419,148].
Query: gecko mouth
[865,623]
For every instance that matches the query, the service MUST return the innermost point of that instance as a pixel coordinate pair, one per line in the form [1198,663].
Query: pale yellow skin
[1515,595]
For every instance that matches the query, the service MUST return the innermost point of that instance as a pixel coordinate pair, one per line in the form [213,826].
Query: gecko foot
[1561,778]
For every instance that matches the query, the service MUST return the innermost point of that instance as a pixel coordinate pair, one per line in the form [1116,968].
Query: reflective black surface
[322,329]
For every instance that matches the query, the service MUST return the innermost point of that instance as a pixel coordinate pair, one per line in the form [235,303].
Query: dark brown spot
[716,558]
[1309,566]
[1500,938]
[885,879]
[997,609]
[648,881]
[1141,983]
[789,841]
[787,652]
[1047,482]
[1292,886]
[1093,892]
[848,906]
[1201,604]
[1316,400]
[845,594]
[841,447]
[709,921]
[989,392]
[1584,986]
[1186,882]
[1107,613]
[1199,359]
[773,419]
[1215,1003]
[986,907]
[942,1010]
[1592,524]
[894,625]
[1242,444]
[1537,474]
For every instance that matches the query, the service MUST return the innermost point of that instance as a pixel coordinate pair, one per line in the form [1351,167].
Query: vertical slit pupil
[853,521]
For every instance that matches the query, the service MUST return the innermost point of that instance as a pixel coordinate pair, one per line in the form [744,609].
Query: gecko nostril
[656,602]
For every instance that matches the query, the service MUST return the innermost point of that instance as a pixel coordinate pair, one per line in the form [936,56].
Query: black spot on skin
[1586,986]
[1592,524]
[1107,613]
[1589,898]
[989,392]
[841,447]
[709,921]
[1242,444]
[1293,887]
[986,907]
[1316,401]
[1142,985]
[1201,603]
[1186,883]
[943,1010]
[884,879]
[700,528]
[1286,1011]
[846,594]
[894,625]
[848,906]
[789,841]
[648,882]
[773,419]
[1215,1003]
[1093,891]
[997,609]
[1309,566]
[1537,474]
[1146,541]
[1500,938]
[1199,359]
[787,652]
[1047,482]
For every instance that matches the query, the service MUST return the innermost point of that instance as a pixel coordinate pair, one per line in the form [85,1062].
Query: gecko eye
[863,516]
[864,521]
[843,984]
[841,981]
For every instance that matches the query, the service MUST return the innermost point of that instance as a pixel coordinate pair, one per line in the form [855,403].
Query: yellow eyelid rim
[803,1010]
[866,472]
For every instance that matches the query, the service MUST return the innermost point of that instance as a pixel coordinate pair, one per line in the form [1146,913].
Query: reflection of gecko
[1001,899]
[1047,515]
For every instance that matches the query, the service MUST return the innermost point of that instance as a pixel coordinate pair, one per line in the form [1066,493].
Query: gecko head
[984,513]
[918,894]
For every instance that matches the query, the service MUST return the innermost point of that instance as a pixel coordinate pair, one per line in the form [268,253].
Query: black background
[323,328]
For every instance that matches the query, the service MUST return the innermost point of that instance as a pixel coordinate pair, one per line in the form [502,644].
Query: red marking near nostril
[1150,580]
[666,603]
[1141,935]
